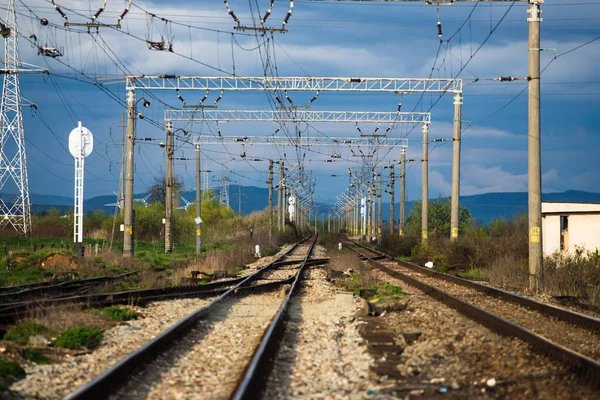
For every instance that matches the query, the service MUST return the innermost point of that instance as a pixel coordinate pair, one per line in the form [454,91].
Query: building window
[564,232]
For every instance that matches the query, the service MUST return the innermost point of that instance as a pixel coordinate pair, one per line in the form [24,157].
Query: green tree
[438,218]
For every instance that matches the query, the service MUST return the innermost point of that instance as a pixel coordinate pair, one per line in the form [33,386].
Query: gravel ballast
[54,381]
[322,354]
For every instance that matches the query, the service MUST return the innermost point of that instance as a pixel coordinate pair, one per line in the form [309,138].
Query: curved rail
[556,312]
[107,382]
[584,366]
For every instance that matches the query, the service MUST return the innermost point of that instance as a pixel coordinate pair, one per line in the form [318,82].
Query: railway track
[184,356]
[9,294]
[569,337]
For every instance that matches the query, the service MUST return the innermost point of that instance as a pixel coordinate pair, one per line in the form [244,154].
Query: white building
[566,226]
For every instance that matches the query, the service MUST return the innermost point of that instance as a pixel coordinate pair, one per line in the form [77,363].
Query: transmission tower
[224,191]
[13,160]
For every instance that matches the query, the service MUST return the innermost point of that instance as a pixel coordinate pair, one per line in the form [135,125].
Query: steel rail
[255,374]
[584,366]
[112,378]
[70,285]
[562,314]
[10,312]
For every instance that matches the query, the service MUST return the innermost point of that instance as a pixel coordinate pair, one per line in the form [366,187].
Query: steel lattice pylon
[13,160]
[224,190]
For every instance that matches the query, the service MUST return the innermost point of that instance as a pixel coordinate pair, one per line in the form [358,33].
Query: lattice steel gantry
[13,160]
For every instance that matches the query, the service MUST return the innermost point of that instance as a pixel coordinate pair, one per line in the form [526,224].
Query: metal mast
[224,191]
[13,160]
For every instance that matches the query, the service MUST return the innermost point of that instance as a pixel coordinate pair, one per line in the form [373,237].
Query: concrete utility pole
[122,175]
[198,202]
[356,215]
[534,150]
[402,189]
[373,205]
[280,198]
[455,200]
[128,237]
[169,189]
[378,231]
[392,181]
[270,183]
[425,184]
[240,198]
[329,219]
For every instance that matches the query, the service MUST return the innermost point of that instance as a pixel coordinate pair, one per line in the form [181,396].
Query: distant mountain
[484,207]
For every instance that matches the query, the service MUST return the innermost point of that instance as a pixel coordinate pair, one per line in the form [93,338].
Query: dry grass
[229,261]
[342,260]
[575,275]
[508,272]
[360,278]
[58,318]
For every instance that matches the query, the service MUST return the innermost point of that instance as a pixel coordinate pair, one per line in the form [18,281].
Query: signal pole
[455,200]
[169,189]
[198,201]
[270,183]
[392,181]
[402,190]
[128,215]
[425,184]
[534,149]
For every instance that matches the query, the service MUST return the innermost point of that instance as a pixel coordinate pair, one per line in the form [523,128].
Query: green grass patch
[385,291]
[474,274]
[20,275]
[35,356]
[80,337]
[20,333]
[10,372]
[114,313]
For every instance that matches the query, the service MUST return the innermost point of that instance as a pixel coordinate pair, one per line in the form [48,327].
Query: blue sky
[324,39]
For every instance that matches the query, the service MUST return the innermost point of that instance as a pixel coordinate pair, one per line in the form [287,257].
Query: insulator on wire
[358,129]
[288,97]
[180,98]
[267,13]
[289,13]
[205,97]
[99,11]
[376,129]
[439,26]
[399,106]
[230,11]
[219,98]
[313,99]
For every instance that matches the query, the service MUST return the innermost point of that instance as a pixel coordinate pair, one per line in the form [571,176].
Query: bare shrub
[573,274]
[508,271]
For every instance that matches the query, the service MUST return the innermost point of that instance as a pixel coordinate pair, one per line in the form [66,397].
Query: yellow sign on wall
[534,234]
